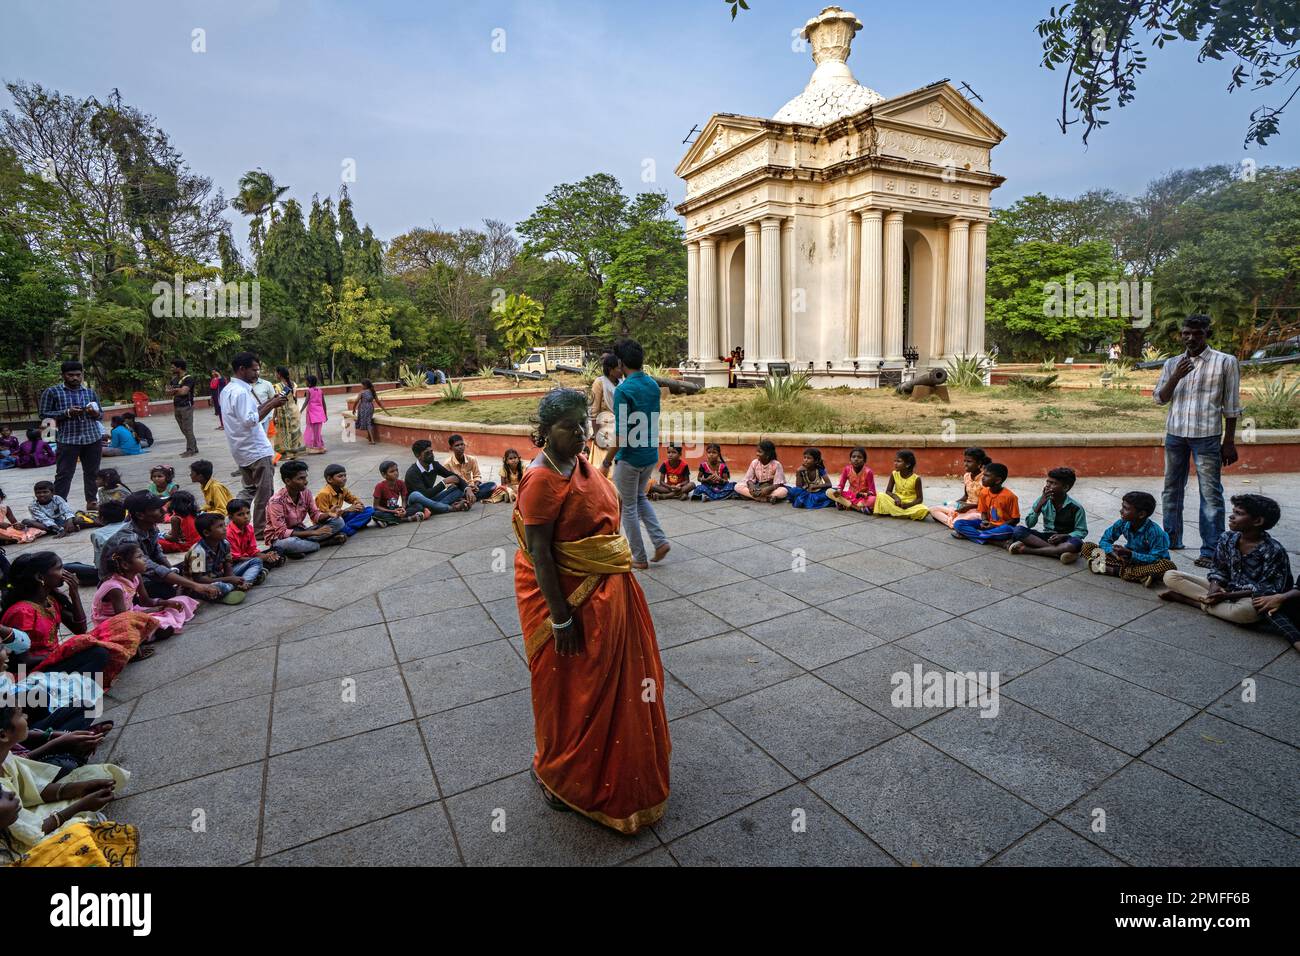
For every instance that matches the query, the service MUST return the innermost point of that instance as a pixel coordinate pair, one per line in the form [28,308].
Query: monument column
[893,286]
[770,301]
[787,290]
[708,318]
[954,339]
[870,297]
[852,272]
[693,302]
[752,290]
[978,265]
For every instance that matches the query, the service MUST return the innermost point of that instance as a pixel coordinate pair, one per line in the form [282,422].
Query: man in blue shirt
[635,454]
[76,411]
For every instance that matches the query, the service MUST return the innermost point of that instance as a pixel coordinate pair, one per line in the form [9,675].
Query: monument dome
[832,93]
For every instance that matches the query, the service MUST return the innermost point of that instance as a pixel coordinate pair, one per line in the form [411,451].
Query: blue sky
[445,130]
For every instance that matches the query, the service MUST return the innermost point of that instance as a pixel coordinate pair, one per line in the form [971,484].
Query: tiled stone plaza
[786,748]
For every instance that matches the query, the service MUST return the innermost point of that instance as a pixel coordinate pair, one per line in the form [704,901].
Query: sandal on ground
[1015,547]
[1097,562]
[1204,562]
[640,566]
[661,552]
[144,653]
[552,801]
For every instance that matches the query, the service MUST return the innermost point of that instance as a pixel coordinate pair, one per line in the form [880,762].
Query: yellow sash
[589,558]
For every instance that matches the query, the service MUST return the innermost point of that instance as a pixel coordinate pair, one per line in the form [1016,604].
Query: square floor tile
[1272,712]
[872,678]
[947,592]
[747,602]
[813,638]
[419,837]
[464,676]
[923,807]
[1038,624]
[1154,819]
[1054,845]
[1043,762]
[963,645]
[443,631]
[1168,670]
[680,621]
[314,713]
[715,770]
[482,742]
[726,666]
[807,725]
[816,584]
[790,828]
[1120,713]
[885,613]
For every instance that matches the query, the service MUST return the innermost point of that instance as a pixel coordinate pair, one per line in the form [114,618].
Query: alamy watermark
[943,689]
[683,429]
[209,299]
[1092,300]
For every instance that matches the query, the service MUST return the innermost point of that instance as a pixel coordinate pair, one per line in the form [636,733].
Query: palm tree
[258,196]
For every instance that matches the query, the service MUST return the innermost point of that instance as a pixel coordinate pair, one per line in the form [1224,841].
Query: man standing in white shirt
[253,452]
[1202,388]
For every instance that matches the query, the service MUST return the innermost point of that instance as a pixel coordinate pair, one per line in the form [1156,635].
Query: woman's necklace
[557,468]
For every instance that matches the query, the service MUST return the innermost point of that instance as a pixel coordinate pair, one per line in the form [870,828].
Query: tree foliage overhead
[1102,44]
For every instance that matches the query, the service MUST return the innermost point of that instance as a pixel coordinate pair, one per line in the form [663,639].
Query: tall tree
[356,325]
[324,230]
[258,198]
[291,257]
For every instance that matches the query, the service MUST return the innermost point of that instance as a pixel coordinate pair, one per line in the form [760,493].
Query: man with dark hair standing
[1202,388]
[76,410]
[635,451]
[249,446]
[181,391]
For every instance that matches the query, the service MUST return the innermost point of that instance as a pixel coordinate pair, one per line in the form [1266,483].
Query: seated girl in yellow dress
[903,498]
[34,805]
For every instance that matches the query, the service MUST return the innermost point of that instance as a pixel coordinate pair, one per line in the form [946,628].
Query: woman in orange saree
[597,681]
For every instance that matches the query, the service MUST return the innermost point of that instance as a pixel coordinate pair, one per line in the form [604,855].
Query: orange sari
[602,733]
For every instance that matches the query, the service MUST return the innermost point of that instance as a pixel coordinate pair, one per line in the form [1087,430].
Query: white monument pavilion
[841,232]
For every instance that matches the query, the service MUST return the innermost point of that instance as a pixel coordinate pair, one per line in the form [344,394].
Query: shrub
[1032,384]
[454,392]
[1276,404]
[1152,354]
[966,371]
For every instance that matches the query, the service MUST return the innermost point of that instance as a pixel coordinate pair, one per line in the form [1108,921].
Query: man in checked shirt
[76,410]
[1202,388]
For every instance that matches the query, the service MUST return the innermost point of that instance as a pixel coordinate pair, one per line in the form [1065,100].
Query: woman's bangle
[562,627]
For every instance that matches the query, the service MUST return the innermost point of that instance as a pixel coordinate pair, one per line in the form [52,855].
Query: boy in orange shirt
[998,507]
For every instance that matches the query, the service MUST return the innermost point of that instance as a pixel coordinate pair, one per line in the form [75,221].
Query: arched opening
[734,326]
[920,296]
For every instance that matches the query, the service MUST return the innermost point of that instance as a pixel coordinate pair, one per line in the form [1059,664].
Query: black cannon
[516,375]
[930,378]
[677,386]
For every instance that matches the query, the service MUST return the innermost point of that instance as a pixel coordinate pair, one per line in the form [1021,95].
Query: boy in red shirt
[243,539]
[998,507]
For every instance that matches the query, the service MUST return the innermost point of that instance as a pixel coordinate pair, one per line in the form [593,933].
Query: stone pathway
[781,631]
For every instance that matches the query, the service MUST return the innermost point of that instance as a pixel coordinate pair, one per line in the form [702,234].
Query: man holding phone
[253,452]
[1202,388]
[76,411]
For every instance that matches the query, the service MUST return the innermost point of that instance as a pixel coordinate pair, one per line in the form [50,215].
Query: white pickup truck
[545,358]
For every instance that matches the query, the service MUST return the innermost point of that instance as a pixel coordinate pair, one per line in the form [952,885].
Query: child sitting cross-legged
[391,499]
[1064,523]
[811,482]
[1144,556]
[109,483]
[123,590]
[674,478]
[209,561]
[294,525]
[904,496]
[714,476]
[973,461]
[857,487]
[216,496]
[50,513]
[336,501]
[243,539]
[512,473]
[1251,578]
[999,509]
[765,479]
[181,534]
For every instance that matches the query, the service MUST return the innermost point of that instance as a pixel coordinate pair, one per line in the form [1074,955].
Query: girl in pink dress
[974,459]
[124,591]
[857,487]
[316,418]
[765,480]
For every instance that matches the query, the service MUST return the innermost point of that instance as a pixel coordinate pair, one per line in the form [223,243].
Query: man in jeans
[432,485]
[635,453]
[181,389]
[249,446]
[1202,389]
[76,411]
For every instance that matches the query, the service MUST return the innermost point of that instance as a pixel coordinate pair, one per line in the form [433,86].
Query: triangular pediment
[722,134]
[940,110]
